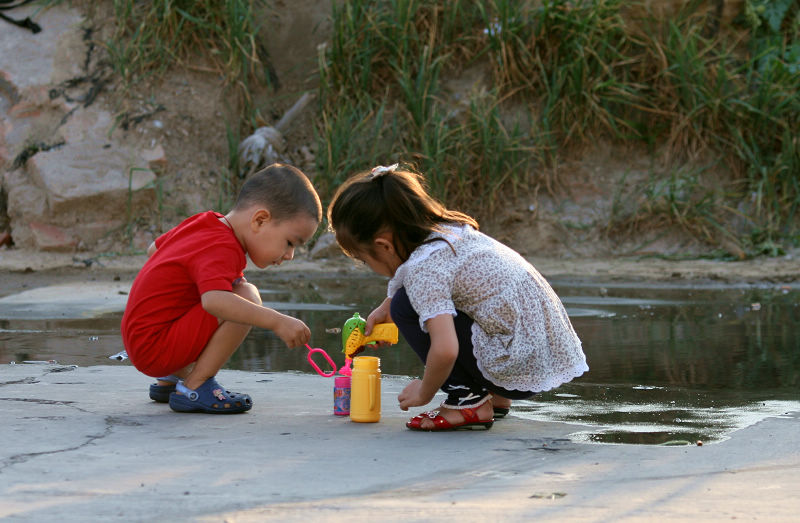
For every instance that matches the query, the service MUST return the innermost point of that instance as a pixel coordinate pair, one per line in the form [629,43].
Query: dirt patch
[24,270]
[197,119]
[566,229]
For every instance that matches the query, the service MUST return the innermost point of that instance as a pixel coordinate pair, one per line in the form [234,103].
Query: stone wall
[67,179]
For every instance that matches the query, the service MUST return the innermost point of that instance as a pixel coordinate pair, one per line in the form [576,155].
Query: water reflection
[667,365]
[714,339]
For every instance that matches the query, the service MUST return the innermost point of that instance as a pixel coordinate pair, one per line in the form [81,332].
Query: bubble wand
[311,352]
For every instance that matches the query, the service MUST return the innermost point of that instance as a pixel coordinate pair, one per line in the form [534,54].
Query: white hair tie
[380,170]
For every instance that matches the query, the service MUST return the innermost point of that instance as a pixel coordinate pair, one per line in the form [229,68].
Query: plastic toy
[365,392]
[325,355]
[341,396]
[353,336]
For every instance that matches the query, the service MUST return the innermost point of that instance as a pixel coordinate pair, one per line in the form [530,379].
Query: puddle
[669,366]
[653,415]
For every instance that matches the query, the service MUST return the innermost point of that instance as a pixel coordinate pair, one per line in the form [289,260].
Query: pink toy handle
[314,364]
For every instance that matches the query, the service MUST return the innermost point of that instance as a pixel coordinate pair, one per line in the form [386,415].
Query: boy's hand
[293,332]
[413,396]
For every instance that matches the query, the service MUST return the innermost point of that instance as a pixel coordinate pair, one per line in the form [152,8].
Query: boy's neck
[237,223]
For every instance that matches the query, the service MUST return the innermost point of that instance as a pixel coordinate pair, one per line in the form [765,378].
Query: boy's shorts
[178,345]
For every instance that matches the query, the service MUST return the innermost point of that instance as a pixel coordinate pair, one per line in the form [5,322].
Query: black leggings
[466,387]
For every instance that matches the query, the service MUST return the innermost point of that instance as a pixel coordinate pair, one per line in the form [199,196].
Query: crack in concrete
[546,444]
[110,421]
[25,381]
[40,401]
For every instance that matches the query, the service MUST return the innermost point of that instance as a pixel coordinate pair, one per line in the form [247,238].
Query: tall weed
[571,72]
[152,36]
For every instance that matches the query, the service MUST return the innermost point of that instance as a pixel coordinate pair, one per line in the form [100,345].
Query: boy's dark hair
[366,205]
[282,189]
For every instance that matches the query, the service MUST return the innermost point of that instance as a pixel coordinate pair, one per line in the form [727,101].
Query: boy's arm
[228,306]
[438,366]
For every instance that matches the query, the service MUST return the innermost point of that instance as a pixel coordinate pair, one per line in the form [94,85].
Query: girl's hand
[413,396]
[381,314]
[293,332]
[438,365]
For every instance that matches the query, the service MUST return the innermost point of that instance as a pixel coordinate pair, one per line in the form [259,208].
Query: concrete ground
[87,444]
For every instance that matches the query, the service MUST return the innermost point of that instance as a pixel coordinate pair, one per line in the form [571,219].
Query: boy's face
[272,241]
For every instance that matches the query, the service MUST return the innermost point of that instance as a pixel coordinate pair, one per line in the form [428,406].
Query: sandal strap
[470,415]
[216,390]
[186,391]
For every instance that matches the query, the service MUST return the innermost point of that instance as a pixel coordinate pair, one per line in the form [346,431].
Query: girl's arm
[441,358]
[229,306]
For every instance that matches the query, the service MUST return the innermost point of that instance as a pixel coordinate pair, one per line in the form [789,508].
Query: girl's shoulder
[451,245]
[435,255]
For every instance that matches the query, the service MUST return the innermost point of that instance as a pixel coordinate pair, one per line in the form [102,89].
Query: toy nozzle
[346,370]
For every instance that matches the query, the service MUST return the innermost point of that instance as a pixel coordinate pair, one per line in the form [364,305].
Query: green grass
[572,72]
[153,36]
[559,76]
[215,36]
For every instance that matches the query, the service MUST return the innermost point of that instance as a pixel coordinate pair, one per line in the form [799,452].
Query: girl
[485,323]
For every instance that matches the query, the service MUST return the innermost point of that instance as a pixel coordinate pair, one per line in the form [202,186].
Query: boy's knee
[248,291]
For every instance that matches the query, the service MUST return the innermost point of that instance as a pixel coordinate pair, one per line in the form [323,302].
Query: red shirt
[201,254]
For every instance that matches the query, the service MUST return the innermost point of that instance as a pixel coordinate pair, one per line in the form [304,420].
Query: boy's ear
[260,217]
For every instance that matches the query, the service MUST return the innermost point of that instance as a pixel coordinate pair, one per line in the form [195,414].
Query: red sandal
[440,424]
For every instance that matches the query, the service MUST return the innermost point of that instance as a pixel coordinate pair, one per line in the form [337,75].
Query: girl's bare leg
[500,401]
[223,343]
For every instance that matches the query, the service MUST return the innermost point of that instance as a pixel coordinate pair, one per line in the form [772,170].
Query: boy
[190,307]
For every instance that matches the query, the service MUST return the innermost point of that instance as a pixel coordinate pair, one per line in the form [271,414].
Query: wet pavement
[86,444]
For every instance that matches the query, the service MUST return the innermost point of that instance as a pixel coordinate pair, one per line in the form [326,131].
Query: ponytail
[388,199]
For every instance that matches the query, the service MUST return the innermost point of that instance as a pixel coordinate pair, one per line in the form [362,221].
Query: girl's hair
[387,199]
[284,190]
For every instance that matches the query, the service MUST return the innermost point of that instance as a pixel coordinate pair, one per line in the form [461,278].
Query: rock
[326,247]
[263,147]
[26,202]
[84,191]
[75,179]
[5,128]
[27,59]
[51,238]
[156,158]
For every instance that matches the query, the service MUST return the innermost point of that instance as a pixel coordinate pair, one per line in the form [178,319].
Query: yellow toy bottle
[365,390]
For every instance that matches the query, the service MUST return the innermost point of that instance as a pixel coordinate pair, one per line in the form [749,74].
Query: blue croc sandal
[210,397]
[160,393]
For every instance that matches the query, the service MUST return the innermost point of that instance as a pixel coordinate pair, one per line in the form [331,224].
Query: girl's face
[383,259]
[272,241]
